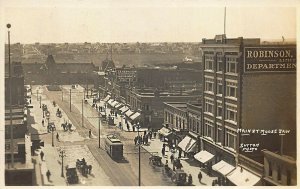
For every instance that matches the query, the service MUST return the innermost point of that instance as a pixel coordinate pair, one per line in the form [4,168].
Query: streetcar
[114,147]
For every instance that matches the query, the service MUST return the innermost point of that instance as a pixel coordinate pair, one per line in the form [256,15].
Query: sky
[114,21]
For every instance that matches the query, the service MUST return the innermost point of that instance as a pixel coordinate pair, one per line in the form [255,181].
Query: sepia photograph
[149,93]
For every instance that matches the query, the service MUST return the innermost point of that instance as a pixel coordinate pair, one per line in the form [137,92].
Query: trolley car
[114,147]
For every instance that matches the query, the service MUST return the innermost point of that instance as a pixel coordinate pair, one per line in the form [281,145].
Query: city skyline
[128,23]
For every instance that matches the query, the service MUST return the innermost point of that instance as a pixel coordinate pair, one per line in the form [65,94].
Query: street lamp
[52,128]
[62,155]
[10,100]
[138,128]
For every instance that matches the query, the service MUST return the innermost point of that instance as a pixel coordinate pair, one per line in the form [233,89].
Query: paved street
[77,144]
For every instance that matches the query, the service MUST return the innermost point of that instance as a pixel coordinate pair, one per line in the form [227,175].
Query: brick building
[239,95]
[18,161]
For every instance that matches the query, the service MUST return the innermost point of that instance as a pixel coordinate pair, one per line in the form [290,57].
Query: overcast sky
[118,22]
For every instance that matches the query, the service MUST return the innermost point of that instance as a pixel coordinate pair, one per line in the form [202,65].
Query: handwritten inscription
[263,131]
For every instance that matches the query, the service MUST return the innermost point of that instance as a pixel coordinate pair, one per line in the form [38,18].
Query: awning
[164,131]
[187,144]
[203,156]
[223,167]
[243,177]
[135,115]
[129,113]
[106,98]
[110,101]
[119,105]
[124,109]
[114,103]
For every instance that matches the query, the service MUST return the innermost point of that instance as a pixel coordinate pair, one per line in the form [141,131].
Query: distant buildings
[59,73]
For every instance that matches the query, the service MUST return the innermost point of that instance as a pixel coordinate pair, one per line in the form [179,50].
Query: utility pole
[99,126]
[62,155]
[10,101]
[225,21]
[70,100]
[138,128]
[82,113]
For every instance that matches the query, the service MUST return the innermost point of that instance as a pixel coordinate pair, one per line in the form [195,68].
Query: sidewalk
[51,163]
[118,119]
[189,166]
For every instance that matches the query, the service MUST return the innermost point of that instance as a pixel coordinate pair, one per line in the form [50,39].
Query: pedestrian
[48,174]
[57,136]
[190,179]
[135,140]
[145,132]
[116,114]
[120,125]
[143,139]
[179,154]
[163,152]
[133,128]
[172,158]
[200,176]
[128,129]
[43,122]
[154,135]
[90,133]
[96,107]
[42,155]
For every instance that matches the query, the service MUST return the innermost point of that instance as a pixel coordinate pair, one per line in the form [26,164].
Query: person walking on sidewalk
[90,133]
[200,176]
[43,122]
[57,136]
[135,140]
[48,174]
[163,151]
[128,129]
[42,155]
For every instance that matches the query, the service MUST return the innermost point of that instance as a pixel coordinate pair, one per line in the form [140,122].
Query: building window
[219,133]
[219,86]
[209,105]
[166,116]
[270,169]
[209,62]
[231,65]
[209,84]
[230,139]
[231,113]
[208,128]
[288,177]
[231,89]
[220,64]
[279,174]
[219,109]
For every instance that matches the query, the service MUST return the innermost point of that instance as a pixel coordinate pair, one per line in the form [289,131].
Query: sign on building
[270,59]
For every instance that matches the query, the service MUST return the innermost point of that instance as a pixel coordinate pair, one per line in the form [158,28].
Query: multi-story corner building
[181,119]
[151,104]
[247,86]
[18,161]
